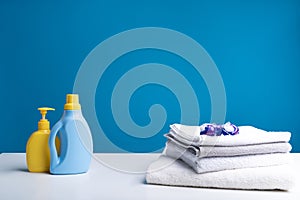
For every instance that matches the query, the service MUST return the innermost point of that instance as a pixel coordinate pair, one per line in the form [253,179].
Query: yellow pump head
[44,123]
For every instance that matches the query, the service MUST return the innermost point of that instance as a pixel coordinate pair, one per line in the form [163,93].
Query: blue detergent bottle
[76,145]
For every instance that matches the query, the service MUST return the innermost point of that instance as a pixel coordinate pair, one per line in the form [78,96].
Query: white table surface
[102,182]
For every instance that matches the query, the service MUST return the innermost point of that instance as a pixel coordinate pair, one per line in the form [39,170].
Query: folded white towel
[261,178]
[219,151]
[248,135]
[213,164]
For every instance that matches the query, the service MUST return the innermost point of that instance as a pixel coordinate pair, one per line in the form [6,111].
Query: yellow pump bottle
[37,149]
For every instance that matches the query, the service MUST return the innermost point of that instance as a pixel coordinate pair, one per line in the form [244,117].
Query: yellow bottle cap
[72,102]
[44,123]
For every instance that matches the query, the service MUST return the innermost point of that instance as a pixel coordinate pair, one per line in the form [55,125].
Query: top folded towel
[248,135]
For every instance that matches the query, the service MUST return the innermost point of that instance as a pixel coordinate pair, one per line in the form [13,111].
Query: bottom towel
[260,178]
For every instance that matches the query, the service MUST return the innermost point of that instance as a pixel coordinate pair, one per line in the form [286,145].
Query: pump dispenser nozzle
[44,123]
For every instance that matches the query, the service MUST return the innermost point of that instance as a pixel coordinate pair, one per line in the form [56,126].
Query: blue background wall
[255,44]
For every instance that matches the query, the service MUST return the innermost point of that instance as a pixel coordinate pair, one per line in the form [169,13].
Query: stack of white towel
[252,159]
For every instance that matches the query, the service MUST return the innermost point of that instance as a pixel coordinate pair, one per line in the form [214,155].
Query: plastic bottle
[76,144]
[37,149]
